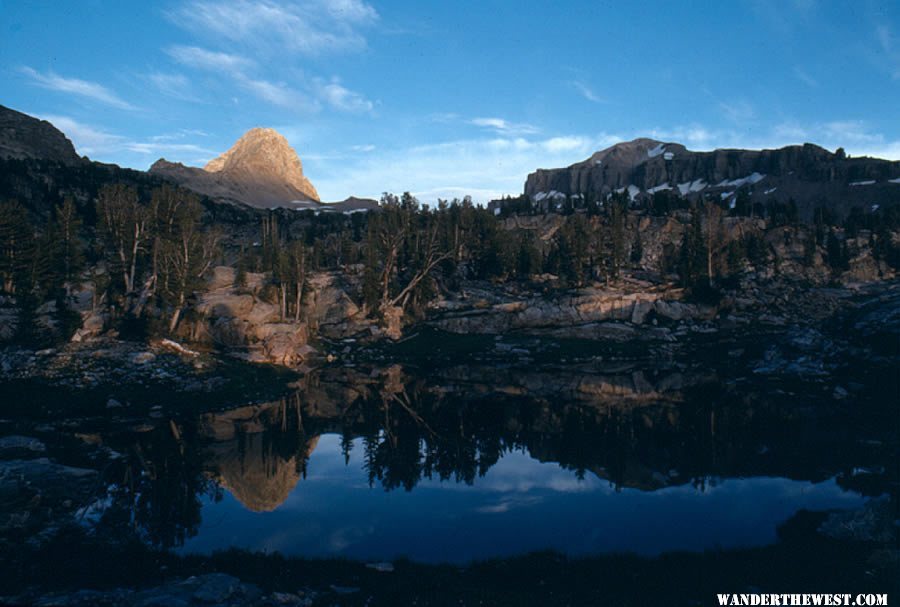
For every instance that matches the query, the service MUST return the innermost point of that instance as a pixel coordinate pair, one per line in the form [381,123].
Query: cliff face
[22,136]
[809,174]
[260,170]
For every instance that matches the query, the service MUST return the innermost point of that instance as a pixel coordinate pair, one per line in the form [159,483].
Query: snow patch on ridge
[736,183]
[691,186]
[553,194]
[656,151]
[632,189]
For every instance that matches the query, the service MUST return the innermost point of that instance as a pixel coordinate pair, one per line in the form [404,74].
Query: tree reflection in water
[642,430]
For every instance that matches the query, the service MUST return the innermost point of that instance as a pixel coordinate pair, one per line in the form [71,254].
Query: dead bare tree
[433,255]
[124,225]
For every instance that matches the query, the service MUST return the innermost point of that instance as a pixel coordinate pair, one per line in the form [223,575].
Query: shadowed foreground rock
[209,589]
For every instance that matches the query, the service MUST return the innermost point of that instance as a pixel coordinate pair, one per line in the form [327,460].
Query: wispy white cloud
[886,41]
[790,131]
[836,133]
[366,147]
[782,17]
[300,96]
[309,27]
[177,86]
[557,145]
[179,135]
[278,93]
[87,139]
[442,117]
[253,43]
[851,131]
[157,149]
[855,136]
[505,127]
[487,168]
[204,59]
[74,86]
[737,110]
[99,143]
[238,68]
[342,98]
[482,168]
[694,136]
[804,77]
[586,91]
[509,502]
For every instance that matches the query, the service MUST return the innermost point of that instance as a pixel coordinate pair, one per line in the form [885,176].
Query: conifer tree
[617,213]
[714,240]
[17,246]
[637,248]
[692,257]
[528,258]
[68,237]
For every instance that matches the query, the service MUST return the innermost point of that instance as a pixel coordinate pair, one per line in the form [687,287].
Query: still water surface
[474,462]
[520,505]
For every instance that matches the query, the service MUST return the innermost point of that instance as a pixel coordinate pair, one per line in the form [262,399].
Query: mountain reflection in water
[487,462]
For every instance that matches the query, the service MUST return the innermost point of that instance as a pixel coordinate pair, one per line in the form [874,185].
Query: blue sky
[451,98]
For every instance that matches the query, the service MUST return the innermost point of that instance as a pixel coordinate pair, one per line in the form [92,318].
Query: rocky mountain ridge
[25,137]
[261,169]
[808,174]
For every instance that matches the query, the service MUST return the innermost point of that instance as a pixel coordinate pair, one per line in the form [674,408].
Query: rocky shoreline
[806,326]
[826,342]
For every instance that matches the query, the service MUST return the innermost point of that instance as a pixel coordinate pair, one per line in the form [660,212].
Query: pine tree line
[147,252]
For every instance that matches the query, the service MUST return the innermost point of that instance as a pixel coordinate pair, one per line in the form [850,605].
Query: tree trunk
[134,254]
[144,295]
[403,296]
[176,314]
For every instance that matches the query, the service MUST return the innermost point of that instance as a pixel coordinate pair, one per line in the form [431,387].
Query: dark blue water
[519,505]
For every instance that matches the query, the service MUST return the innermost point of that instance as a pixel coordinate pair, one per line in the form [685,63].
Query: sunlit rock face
[595,312]
[240,318]
[260,170]
[258,478]
[250,458]
[264,154]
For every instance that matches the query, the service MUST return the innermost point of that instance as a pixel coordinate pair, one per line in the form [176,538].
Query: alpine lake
[469,462]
